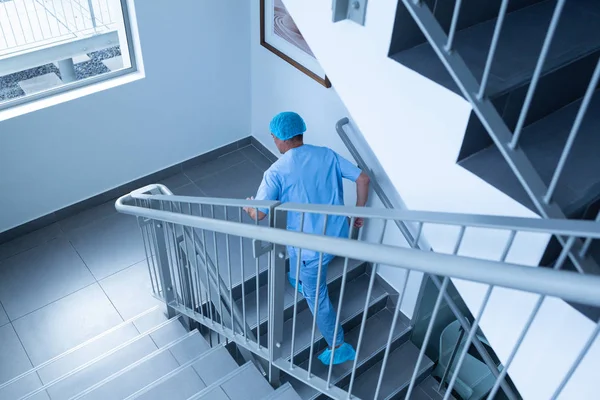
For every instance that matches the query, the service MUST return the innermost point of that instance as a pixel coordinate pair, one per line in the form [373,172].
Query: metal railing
[177,278]
[506,140]
[26,24]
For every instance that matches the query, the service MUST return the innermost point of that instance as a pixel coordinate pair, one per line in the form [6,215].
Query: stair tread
[192,377]
[399,370]
[75,357]
[354,301]
[66,386]
[374,340]
[428,390]
[123,382]
[579,183]
[334,272]
[244,383]
[518,48]
[285,392]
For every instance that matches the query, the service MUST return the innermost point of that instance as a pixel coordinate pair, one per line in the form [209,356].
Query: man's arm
[253,211]
[362,195]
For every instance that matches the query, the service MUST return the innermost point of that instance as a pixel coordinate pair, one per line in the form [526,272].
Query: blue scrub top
[310,175]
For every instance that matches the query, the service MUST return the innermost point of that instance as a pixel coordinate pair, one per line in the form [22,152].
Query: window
[49,46]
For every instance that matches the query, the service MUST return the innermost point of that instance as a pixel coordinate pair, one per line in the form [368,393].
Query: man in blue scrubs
[312,175]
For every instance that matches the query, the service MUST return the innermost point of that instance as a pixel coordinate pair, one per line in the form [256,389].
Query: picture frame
[280,35]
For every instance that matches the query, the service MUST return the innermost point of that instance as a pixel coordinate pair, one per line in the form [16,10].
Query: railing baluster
[243,280]
[257,267]
[492,52]
[20,22]
[29,20]
[436,309]
[295,313]
[415,243]
[197,269]
[339,309]
[559,263]
[56,17]
[573,133]
[12,28]
[92,14]
[108,10]
[580,357]
[588,241]
[191,259]
[73,15]
[217,266]
[537,73]
[37,16]
[453,26]
[365,314]
[4,37]
[475,326]
[206,266]
[316,306]
[228,249]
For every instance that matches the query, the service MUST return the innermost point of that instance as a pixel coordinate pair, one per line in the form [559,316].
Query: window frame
[71,86]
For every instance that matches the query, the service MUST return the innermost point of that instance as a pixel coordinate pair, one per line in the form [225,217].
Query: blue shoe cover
[342,354]
[293,283]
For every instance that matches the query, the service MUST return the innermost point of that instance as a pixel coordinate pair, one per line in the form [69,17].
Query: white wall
[195,97]
[415,127]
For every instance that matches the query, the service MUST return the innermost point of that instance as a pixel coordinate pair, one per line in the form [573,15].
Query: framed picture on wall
[280,35]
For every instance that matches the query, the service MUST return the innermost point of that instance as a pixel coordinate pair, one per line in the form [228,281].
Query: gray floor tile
[66,323]
[191,189]
[88,216]
[176,181]
[3,317]
[14,360]
[109,245]
[39,276]
[262,162]
[29,241]
[130,290]
[238,182]
[212,167]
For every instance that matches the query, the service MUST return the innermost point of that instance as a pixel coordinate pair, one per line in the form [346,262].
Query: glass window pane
[45,44]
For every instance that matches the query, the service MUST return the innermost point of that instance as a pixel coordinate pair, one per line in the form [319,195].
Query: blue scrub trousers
[326,313]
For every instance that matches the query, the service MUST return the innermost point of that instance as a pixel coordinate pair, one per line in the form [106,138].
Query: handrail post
[164,269]
[277,282]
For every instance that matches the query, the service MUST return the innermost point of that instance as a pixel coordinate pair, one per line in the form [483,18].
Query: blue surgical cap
[286,125]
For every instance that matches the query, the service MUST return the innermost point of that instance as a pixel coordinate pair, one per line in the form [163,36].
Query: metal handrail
[566,285]
[400,216]
[506,140]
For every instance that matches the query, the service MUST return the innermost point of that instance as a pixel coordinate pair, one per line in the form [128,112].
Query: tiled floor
[70,281]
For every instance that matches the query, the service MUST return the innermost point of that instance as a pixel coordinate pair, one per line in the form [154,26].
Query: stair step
[73,358]
[285,392]
[245,383]
[518,48]
[543,142]
[375,337]
[428,390]
[334,274]
[110,361]
[190,377]
[399,370]
[146,370]
[351,314]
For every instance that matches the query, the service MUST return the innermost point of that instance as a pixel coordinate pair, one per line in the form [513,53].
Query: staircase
[526,100]
[146,357]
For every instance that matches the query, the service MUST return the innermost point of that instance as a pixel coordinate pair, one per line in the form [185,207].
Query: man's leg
[292,274]
[325,312]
